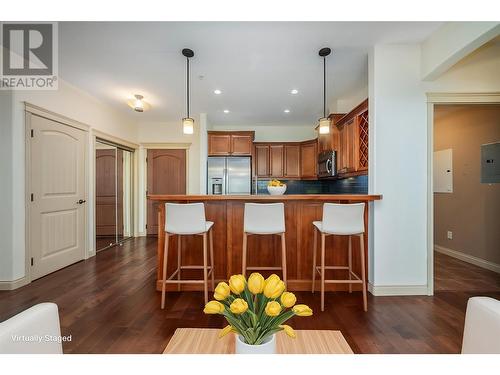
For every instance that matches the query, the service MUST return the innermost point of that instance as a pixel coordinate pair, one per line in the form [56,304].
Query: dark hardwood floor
[109,305]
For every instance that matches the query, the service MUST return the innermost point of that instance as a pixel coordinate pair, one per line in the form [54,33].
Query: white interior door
[57,207]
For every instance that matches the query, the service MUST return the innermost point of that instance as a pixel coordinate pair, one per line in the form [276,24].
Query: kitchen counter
[265,197]
[226,211]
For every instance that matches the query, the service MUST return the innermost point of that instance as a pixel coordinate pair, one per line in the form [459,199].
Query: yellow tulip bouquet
[255,309]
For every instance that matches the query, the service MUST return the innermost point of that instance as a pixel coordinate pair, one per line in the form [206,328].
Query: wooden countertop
[289,197]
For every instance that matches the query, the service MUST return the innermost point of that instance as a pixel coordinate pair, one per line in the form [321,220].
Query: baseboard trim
[468,258]
[11,285]
[398,290]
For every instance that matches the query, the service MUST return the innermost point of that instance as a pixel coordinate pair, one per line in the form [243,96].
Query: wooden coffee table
[206,341]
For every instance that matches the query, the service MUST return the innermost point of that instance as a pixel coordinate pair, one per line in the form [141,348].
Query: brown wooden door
[219,144]
[292,161]
[276,160]
[262,160]
[308,159]
[241,144]
[166,175]
[105,191]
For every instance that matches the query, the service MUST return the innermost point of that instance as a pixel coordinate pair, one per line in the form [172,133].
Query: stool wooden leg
[350,262]
[315,250]
[363,271]
[211,236]
[164,280]
[179,240]
[322,272]
[283,256]
[205,270]
[244,255]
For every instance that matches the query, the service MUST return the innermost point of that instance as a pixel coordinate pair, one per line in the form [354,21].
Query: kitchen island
[226,211]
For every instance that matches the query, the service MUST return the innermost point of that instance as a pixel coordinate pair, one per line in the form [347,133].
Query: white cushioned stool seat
[482,326]
[264,219]
[183,219]
[39,320]
[340,220]
[267,218]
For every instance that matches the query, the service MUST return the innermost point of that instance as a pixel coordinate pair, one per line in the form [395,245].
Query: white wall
[77,105]
[345,105]
[451,42]
[204,125]
[398,167]
[274,133]
[398,155]
[6,187]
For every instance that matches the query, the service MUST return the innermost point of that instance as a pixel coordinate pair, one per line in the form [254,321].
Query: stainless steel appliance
[327,164]
[229,175]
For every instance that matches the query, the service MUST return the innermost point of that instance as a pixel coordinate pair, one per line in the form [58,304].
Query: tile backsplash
[351,185]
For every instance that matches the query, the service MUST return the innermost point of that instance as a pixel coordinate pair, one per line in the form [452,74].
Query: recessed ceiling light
[217,92]
[294,91]
[286,111]
[226,111]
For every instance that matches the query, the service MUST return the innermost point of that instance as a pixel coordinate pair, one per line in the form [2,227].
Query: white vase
[267,347]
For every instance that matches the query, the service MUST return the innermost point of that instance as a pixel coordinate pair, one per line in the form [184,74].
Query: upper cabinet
[222,143]
[349,137]
[291,160]
[308,159]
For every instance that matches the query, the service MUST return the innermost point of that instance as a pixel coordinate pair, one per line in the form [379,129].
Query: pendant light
[324,122]
[187,122]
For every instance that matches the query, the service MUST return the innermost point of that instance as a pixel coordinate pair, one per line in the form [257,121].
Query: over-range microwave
[327,164]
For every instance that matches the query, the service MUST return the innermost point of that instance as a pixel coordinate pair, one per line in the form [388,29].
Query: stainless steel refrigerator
[229,175]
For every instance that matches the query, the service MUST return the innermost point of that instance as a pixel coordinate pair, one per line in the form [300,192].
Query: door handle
[81,201]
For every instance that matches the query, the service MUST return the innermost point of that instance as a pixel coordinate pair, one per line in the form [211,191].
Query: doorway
[166,174]
[57,195]
[113,189]
[466,197]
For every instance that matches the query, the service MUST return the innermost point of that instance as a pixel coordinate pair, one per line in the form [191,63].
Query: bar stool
[340,220]
[184,220]
[264,219]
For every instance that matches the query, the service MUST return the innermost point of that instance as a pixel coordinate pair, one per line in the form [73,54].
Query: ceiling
[254,64]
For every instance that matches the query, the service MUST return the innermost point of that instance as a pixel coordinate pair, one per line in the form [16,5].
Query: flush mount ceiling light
[324,122]
[226,111]
[138,104]
[187,122]
[217,92]
[286,111]
[294,92]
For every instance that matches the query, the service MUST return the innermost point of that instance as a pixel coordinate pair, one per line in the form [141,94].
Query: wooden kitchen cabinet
[222,143]
[241,144]
[308,159]
[219,144]
[292,160]
[262,160]
[276,160]
[352,152]
[289,160]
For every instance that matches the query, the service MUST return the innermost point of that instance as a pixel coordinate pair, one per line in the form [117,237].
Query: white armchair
[33,331]
[482,326]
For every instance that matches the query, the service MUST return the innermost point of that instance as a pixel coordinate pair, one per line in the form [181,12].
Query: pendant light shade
[324,122]
[187,122]
[187,125]
[324,125]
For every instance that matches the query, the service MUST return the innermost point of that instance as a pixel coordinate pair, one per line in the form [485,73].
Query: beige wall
[472,211]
